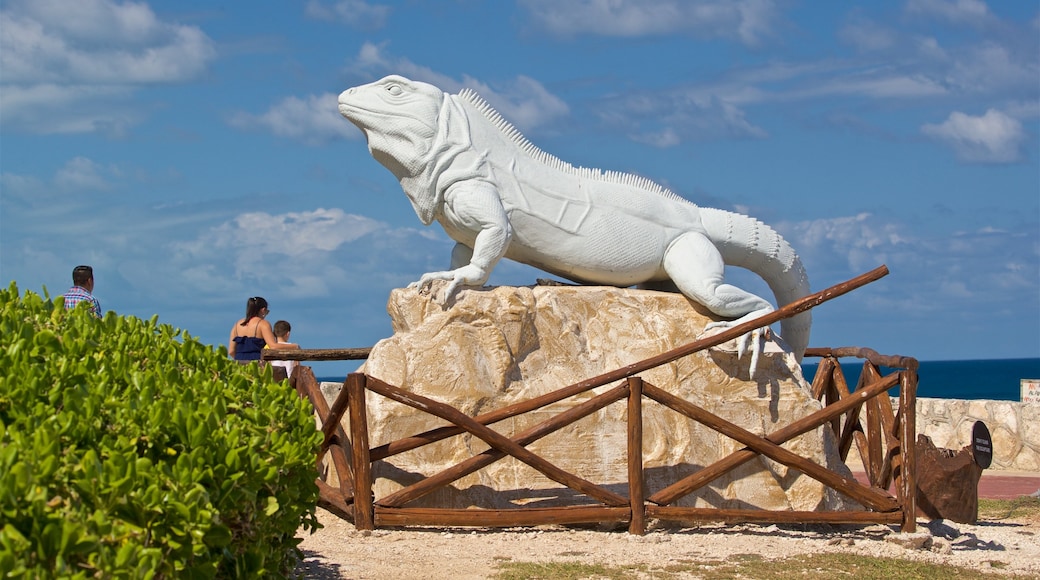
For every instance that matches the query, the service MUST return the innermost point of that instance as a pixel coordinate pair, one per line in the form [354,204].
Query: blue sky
[192,151]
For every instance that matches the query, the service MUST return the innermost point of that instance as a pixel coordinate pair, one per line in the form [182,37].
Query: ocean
[995,379]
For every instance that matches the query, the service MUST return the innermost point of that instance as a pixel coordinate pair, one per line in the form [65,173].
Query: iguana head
[399,119]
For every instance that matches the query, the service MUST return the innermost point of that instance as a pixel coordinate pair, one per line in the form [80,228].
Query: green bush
[131,450]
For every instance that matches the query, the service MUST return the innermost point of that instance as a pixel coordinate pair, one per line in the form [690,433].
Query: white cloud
[373,59]
[929,271]
[355,13]
[52,108]
[669,118]
[72,181]
[973,12]
[867,35]
[748,21]
[82,174]
[313,119]
[523,101]
[64,62]
[992,138]
[292,234]
[97,42]
[662,139]
[307,254]
[873,83]
[929,49]
[990,68]
[851,243]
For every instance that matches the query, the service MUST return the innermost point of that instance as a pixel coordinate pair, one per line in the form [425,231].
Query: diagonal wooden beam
[497,441]
[770,447]
[482,460]
[308,384]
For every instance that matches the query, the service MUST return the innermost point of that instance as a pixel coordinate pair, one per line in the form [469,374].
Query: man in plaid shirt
[83,280]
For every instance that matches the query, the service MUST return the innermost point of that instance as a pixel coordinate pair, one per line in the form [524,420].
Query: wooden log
[306,382]
[709,473]
[496,441]
[330,498]
[836,393]
[868,497]
[490,418]
[636,483]
[331,425]
[507,518]
[807,303]
[477,462]
[840,383]
[683,514]
[363,514]
[823,376]
[874,428]
[893,362]
[278,374]
[861,447]
[316,354]
[908,448]
[890,423]
[852,422]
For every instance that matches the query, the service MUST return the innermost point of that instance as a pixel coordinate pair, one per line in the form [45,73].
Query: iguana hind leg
[695,266]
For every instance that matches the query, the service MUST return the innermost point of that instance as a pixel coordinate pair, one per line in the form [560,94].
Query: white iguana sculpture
[497,195]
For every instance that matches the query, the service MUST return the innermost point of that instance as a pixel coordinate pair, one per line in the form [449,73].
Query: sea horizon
[972,379]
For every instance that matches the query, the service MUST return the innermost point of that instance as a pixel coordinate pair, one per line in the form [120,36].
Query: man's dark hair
[81,275]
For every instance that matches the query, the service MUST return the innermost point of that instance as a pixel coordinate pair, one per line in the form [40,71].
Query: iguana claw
[468,275]
[753,342]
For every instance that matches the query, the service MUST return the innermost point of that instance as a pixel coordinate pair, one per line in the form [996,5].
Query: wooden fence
[863,416]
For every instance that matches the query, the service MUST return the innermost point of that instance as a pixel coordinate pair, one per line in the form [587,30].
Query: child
[281,332]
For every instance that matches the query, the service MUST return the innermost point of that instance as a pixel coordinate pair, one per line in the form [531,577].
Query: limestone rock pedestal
[493,347]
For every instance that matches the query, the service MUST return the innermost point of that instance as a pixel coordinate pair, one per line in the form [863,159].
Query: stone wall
[1015,428]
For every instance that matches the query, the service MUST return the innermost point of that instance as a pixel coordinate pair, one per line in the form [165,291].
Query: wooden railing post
[636,484]
[364,514]
[875,429]
[908,446]
[307,383]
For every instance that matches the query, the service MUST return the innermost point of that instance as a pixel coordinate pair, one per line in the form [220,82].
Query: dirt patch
[339,551]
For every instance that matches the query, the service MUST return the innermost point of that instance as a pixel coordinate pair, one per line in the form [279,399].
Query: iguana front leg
[472,210]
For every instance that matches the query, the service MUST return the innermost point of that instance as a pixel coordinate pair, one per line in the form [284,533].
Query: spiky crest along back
[513,134]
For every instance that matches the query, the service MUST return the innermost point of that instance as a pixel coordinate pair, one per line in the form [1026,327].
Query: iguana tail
[748,243]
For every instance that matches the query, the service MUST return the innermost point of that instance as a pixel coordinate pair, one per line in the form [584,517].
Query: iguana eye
[394,90]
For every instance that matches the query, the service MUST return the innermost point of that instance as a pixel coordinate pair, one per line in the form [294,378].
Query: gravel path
[340,551]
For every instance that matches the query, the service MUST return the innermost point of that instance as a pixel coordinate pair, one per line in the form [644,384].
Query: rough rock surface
[496,346]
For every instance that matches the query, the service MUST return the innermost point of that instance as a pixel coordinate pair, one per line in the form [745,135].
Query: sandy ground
[340,551]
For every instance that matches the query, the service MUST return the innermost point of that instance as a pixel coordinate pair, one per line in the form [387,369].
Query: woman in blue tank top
[251,334]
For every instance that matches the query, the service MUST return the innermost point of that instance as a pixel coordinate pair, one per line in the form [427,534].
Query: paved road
[1005,485]
[997,484]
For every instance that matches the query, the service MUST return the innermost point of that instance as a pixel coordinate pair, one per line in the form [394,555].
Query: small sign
[1031,390]
[981,445]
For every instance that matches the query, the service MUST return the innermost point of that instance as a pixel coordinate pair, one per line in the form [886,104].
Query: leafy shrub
[131,450]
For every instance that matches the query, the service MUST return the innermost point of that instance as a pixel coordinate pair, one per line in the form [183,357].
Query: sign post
[1030,391]
[981,445]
